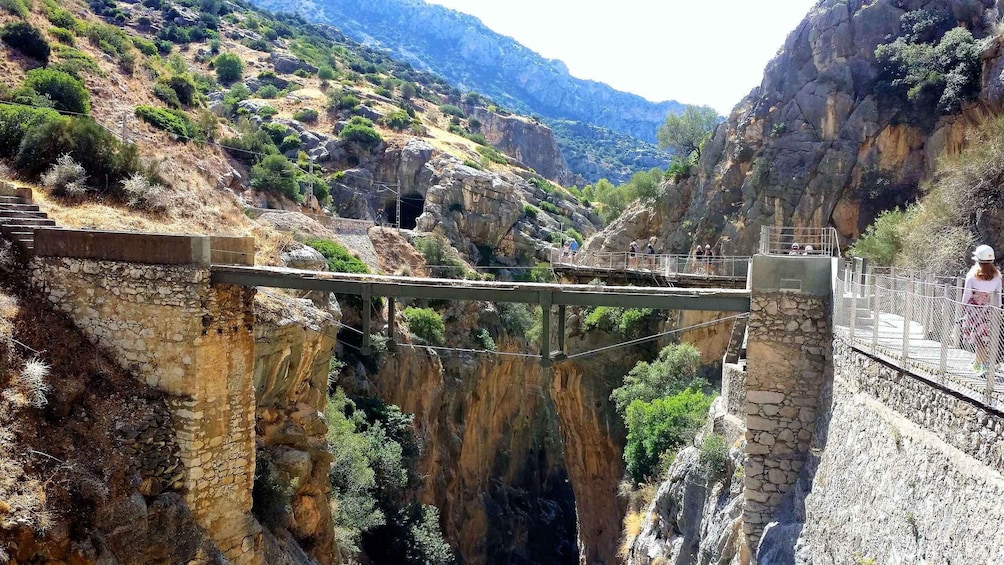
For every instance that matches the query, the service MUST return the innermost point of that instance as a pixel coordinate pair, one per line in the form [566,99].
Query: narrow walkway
[924,355]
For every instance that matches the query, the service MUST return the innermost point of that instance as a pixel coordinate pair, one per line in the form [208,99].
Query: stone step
[12,200]
[22,207]
[20,235]
[15,222]
[21,214]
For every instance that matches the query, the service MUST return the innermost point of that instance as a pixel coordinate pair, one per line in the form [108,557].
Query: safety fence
[776,240]
[917,321]
[668,265]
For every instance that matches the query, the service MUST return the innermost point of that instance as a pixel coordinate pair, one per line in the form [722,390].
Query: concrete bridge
[177,311]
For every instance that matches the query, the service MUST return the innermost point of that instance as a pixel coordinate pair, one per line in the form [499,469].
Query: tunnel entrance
[411,208]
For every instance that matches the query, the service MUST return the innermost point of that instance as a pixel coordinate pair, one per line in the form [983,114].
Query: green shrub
[171,121]
[107,160]
[113,41]
[360,130]
[550,208]
[16,121]
[398,120]
[20,8]
[530,210]
[442,260]
[63,36]
[714,452]
[289,143]
[477,138]
[426,324]
[326,73]
[516,319]
[64,90]
[166,94]
[267,112]
[271,493]
[229,68]
[27,39]
[484,339]
[452,110]
[574,234]
[491,154]
[656,427]
[61,18]
[339,258]
[246,146]
[74,62]
[268,91]
[274,173]
[882,240]
[472,164]
[306,115]
[674,370]
[277,132]
[342,100]
[184,87]
[145,46]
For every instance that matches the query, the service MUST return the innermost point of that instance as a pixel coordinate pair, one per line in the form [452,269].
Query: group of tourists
[634,251]
[702,260]
[569,249]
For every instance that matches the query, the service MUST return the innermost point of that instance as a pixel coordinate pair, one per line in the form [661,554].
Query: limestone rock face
[293,347]
[816,144]
[526,141]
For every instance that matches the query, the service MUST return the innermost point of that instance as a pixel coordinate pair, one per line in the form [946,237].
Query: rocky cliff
[824,139]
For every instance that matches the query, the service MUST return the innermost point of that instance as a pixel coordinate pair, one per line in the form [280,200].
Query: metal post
[995,343]
[946,332]
[875,316]
[854,309]
[561,333]
[367,296]
[907,313]
[391,339]
[957,311]
[545,329]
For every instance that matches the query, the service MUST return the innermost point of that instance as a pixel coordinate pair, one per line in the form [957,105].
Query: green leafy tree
[674,370]
[883,240]
[426,324]
[229,68]
[64,90]
[685,132]
[275,173]
[656,427]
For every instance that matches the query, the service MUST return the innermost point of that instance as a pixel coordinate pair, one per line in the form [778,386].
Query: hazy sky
[693,51]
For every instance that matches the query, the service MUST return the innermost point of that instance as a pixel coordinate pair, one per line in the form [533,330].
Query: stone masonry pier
[789,351]
[148,300]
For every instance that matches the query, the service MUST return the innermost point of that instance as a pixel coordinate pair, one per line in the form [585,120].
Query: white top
[977,285]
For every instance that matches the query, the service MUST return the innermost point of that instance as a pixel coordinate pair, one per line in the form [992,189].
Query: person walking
[650,252]
[633,255]
[709,256]
[573,248]
[698,258]
[982,291]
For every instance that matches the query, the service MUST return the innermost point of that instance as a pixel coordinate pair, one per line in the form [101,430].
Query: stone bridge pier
[789,358]
[147,299]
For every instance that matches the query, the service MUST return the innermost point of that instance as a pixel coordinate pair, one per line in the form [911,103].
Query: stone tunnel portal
[412,206]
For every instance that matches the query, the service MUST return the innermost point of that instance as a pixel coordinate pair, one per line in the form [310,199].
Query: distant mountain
[472,57]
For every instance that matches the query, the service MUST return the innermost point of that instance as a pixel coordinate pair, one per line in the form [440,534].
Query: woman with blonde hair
[982,291]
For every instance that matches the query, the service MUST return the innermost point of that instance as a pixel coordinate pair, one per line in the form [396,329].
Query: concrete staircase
[18,220]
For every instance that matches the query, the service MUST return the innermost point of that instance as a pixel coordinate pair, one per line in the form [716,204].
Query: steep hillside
[473,57]
[849,118]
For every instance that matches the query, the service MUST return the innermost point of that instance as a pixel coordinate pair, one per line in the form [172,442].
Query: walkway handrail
[663,264]
[783,240]
[917,322]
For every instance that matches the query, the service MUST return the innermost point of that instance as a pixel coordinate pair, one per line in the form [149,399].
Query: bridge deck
[720,300]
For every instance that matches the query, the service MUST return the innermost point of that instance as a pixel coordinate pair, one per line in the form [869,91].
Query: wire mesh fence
[917,321]
[777,240]
[715,266]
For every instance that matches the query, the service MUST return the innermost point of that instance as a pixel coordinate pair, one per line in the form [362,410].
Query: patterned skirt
[976,321]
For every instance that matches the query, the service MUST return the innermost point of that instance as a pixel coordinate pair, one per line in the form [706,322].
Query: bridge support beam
[789,352]
[545,331]
[391,311]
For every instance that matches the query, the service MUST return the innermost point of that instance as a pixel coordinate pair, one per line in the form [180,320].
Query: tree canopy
[684,133]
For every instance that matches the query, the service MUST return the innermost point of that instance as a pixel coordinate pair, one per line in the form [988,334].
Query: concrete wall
[144,248]
[789,354]
[192,340]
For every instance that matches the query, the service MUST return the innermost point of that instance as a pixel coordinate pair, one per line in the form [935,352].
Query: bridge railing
[919,323]
[776,240]
[716,266]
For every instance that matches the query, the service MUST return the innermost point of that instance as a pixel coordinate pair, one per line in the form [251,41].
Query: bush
[145,46]
[713,454]
[166,94]
[574,234]
[484,339]
[229,68]
[398,120]
[339,258]
[360,130]
[289,143]
[426,324]
[658,426]
[266,112]
[268,91]
[27,39]
[442,261]
[66,92]
[63,36]
[140,193]
[66,178]
[276,174]
[106,159]
[515,318]
[74,62]
[882,240]
[491,154]
[452,110]
[171,121]
[16,121]
[550,208]
[472,164]
[271,494]
[248,145]
[61,18]
[326,73]
[530,210]
[113,41]
[673,371]
[20,8]
[306,115]
[342,100]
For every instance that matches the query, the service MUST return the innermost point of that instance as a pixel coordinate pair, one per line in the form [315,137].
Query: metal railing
[917,321]
[798,241]
[668,265]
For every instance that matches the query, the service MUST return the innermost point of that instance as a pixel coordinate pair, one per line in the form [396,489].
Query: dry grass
[639,500]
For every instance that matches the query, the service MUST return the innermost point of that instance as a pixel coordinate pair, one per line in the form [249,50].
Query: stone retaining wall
[194,341]
[973,429]
[734,390]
